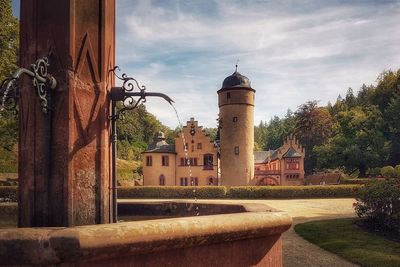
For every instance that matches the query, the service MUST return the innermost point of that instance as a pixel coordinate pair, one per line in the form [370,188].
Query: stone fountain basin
[241,235]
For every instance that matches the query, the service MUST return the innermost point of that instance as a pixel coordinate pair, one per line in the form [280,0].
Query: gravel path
[298,252]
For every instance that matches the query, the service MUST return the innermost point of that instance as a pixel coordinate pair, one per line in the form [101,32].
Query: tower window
[228,95]
[235,119]
[199,146]
[236,150]
[149,161]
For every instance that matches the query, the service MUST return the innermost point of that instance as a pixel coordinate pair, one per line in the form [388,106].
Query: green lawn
[346,239]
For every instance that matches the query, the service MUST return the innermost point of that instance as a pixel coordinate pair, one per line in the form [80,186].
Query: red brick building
[283,166]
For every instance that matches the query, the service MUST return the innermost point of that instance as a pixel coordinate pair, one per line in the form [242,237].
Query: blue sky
[292,51]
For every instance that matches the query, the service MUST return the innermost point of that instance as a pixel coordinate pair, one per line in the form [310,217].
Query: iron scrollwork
[41,79]
[9,95]
[126,93]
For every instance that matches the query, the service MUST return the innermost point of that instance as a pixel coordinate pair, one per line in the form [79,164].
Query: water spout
[166,98]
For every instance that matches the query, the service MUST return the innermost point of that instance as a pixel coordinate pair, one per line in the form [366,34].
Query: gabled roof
[261,156]
[274,155]
[291,153]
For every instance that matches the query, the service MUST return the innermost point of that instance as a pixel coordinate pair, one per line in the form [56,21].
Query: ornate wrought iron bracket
[131,94]
[41,80]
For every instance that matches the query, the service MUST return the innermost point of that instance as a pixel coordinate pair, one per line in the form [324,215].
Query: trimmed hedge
[9,193]
[172,192]
[355,181]
[240,192]
[293,192]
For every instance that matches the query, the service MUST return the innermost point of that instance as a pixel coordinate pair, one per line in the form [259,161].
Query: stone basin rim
[44,246]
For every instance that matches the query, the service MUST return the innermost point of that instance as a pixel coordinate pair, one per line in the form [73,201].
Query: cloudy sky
[292,51]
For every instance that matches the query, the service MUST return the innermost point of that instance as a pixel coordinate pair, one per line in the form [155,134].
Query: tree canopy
[357,133]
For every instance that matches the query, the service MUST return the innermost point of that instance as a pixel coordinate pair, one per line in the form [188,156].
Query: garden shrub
[355,181]
[172,192]
[374,172]
[388,172]
[378,204]
[9,193]
[292,192]
[397,171]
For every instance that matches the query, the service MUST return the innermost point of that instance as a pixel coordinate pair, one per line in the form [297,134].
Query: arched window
[162,179]
[211,181]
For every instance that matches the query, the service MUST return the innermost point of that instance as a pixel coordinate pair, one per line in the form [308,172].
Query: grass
[344,238]
[125,169]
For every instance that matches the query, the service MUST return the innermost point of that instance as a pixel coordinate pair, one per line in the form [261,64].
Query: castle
[231,161]
[191,161]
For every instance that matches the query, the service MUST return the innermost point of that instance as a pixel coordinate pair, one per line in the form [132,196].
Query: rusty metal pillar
[65,157]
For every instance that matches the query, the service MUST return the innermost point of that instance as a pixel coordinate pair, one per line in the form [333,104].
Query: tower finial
[237,62]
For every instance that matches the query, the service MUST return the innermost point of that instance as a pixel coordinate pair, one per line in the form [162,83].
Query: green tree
[358,143]
[9,39]
[135,130]
[9,44]
[260,132]
[392,115]
[350,99]
[211,132]
[314,125]
[271,135]
[387,86]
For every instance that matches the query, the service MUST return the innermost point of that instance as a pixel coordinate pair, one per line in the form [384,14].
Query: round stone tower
[236,115]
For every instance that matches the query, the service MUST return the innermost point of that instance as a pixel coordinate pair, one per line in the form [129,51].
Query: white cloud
[292,52]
